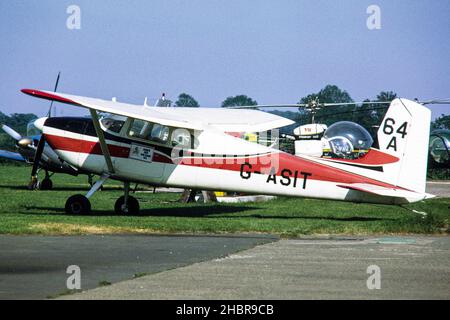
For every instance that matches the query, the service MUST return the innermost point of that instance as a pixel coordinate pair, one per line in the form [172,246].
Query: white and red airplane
[192,148]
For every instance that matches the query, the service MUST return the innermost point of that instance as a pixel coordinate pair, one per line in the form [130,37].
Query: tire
[133,206]
[45,184]
[78,205]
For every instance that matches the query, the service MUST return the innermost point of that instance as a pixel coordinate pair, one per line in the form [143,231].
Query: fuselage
[208,160]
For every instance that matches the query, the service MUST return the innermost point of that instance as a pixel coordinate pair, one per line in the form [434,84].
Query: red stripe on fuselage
[373,158]
[283,164]
[84,146]
[286,165]
[89,147]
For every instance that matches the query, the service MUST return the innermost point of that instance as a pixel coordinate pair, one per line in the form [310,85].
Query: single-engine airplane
[192,148]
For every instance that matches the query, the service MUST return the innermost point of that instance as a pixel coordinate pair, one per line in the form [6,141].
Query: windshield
[32,130]
[113,125]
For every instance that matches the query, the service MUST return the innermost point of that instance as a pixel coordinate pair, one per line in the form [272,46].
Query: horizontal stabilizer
[386,192]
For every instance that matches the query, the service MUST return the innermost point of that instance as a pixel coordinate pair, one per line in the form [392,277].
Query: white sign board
[140,152]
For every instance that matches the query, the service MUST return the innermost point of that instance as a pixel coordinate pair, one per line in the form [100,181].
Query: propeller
[40,147]
[12,133]
[36,162]
[49,114]
[22,142]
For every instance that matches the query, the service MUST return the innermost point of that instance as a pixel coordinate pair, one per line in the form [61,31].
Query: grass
[42,212]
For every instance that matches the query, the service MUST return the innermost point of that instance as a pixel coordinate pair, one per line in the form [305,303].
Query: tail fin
[404,133]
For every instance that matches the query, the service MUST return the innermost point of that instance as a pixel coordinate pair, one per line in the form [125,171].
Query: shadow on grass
[61,188]
[209,212]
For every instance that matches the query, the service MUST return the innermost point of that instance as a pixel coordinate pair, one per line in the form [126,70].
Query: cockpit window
[113,125]
[32,130]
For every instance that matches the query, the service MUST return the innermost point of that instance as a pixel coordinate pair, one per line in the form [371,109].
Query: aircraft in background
[49,161]
[439,149]
[27,147]
[190,148]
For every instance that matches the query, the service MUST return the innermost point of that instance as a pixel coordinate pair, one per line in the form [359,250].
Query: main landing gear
[80,204]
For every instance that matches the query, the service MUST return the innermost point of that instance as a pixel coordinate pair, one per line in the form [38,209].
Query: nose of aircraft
[39,123]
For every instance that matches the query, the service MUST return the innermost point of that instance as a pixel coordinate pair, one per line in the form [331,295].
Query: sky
[272,51]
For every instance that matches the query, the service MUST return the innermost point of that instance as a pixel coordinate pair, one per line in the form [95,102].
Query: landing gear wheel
[131,209]
[78,205]
[45,184]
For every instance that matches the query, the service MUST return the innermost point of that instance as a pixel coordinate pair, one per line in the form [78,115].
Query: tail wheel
[78,205]
[132,207]
[45,184]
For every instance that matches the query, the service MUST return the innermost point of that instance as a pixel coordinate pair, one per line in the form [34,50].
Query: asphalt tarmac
[439,188]
[226,267]
[34,267]
[371,268]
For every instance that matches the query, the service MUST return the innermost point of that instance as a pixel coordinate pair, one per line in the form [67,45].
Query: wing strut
[101,139]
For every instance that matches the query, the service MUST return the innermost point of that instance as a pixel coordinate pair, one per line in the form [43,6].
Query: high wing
[11,155]
[227,120]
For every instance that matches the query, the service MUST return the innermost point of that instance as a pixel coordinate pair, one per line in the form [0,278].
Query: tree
[370,115]
[185,100]
[329,115]
[443,122]
[17,121]
[329,94]
[386,96]
[239,100]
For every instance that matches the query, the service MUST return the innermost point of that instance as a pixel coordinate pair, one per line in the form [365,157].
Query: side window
[149,131]
[136,128]
[181,137]
[159,133]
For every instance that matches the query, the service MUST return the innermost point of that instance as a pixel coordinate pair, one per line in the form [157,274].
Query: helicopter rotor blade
[308,105]
[437,101]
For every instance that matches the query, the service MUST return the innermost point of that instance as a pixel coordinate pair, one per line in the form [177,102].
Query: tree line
[368,115]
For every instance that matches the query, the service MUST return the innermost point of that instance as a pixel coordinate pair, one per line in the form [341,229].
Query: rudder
[404,133]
